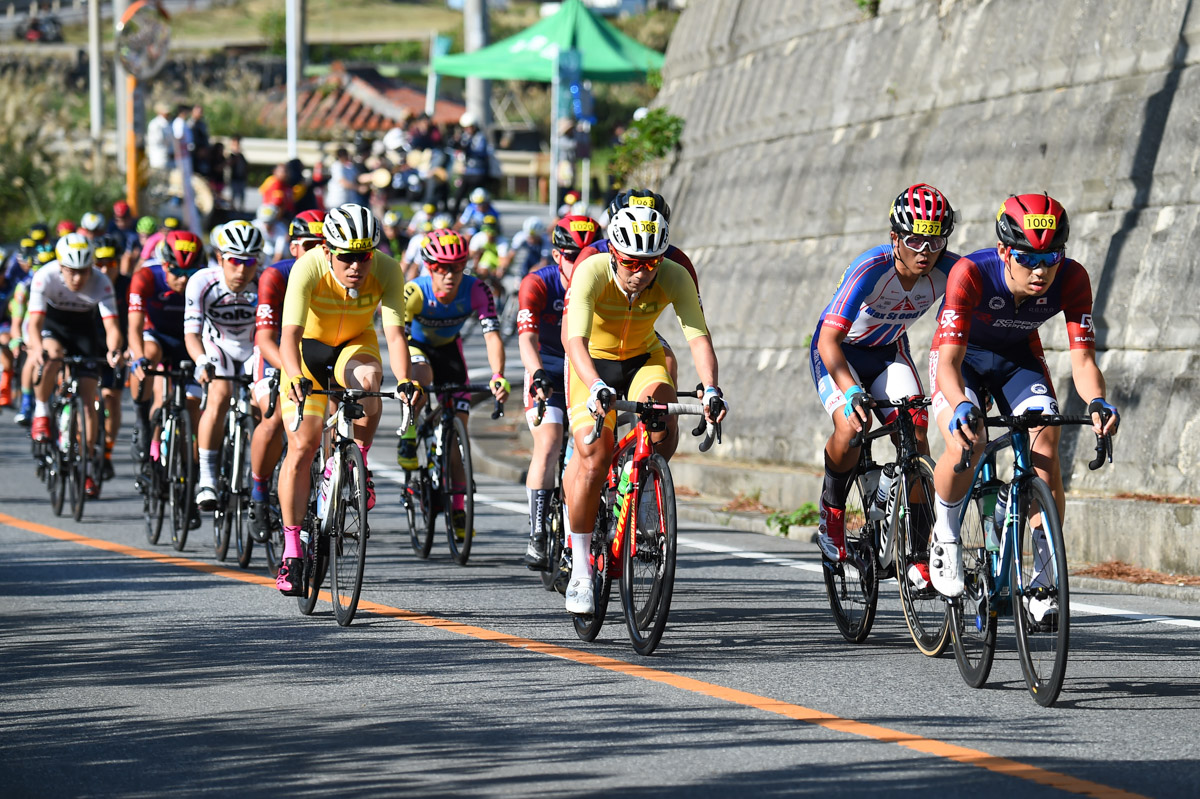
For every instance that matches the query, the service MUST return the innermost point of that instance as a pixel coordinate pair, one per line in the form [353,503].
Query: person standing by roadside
[238,171]
[343,184]
[476,152]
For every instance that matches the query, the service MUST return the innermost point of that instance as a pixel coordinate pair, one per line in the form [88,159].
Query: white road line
[792,563]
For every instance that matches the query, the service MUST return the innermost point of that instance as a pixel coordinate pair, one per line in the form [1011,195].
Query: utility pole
[119,80]
[476,34]
[95,92]
[294,68]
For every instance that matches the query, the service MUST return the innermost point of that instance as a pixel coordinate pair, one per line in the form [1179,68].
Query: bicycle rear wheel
[79,458]
[648,557]
[458,447]
[181,483]
[418,509]
[852,586]
[1041,594]
[973,615]
[925,611]
[316,551]
[556,577]
[348,534]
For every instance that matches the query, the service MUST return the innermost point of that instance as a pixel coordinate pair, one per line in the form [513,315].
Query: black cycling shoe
[290,580]
[260,521]
[106,471]
[194,519]
[535,556]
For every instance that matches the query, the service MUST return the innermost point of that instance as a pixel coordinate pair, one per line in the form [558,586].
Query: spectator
[343,181]
[158,139]
[475,151]
[200,141]
[216,168]
[182,132]
[238,171]
[276,190]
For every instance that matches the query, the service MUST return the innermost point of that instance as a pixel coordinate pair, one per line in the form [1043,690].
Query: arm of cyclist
[829,347]
[34,344]
[705,359]
[398,357]
[289,354]
[950,383]
[1089,382]
[532,361]
[114,340]
[137,322]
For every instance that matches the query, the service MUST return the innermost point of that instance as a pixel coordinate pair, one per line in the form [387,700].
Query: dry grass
[747,503]
[1119,570]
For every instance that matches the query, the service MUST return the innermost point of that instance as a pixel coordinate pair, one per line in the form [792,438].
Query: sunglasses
[921,243]
[348,257]
[181,272]
[307,244]
[1038,260]
[448,269]
[637,264]
[237,260]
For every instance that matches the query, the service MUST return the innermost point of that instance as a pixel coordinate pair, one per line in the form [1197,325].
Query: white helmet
[479,196]
[638,232]
[74,251]
[238,238]
[351,227]
[443,221]
[534,225]
[92,222]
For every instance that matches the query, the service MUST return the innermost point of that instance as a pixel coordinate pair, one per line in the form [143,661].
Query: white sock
[945,526]
[208,467]
[41,409]
[581,546]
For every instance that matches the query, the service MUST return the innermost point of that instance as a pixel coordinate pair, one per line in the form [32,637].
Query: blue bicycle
[1014,560]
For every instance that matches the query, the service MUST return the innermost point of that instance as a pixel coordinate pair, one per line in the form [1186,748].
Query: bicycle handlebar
[904,404]
[352,396]
[184,372]
[608,401]
[1034,418]
[242,380]
[442,389]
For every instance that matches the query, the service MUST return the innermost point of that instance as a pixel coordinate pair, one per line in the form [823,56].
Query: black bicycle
[557,573]
[71,455]
[443,474]
[167,476]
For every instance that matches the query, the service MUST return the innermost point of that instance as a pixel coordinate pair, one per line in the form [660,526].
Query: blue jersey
[430,321]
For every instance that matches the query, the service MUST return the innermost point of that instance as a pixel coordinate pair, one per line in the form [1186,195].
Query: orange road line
[929,746]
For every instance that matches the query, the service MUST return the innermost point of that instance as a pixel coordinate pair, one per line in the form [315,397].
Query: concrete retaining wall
[804,120]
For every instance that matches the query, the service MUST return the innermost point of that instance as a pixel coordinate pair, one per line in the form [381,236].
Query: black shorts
[619,374]
[174,351]
[75,332]
[320,359]
[447,363]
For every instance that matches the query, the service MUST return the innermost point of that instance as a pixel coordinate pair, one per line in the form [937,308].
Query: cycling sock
[460,500]
[292,546]
[208,467]
[41,408]
[836,485]
[537,512]
[258,488]
[364,451]
[581,546]
[945,526]
[410,433]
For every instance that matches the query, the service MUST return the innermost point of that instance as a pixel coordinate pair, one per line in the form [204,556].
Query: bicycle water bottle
[623,488]
[64,428]
[880,507]
[323,493]
[998,518]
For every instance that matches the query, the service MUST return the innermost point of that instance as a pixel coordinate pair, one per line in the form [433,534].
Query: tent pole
[555,88]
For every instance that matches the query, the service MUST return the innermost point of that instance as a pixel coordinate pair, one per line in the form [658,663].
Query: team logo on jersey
[135,299]
[265,312]
[949,318]
[525,317]
[1039,388]
[1085,320]
[996,303]
[905,305]
[1042,300]
[558,305]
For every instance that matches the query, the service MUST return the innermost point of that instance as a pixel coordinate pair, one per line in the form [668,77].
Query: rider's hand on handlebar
[300,388]
[204,372]
[855,409]
[539,385]
[714,400]
[139,368]
[594,406]
[1105,418]
[116,358]
[963,424]
[500,387]
[407,391]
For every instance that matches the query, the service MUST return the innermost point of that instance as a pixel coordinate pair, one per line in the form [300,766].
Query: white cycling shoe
[206,498]
[579,597]
[945,568]
[1042,610]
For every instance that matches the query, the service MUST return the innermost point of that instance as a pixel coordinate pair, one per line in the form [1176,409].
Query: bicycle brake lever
[714,434]
[963,462]
[1103,452]
[499,410]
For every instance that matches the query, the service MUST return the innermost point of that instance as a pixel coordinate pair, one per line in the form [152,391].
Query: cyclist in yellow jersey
[612,305]
[328,324]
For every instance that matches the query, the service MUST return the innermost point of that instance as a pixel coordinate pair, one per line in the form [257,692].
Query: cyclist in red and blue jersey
[987,343]
[266,446]
[155,329]
[860,347]
[539,327]
[435,307]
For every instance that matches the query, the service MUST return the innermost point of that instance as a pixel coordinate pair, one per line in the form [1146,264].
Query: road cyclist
[41,255]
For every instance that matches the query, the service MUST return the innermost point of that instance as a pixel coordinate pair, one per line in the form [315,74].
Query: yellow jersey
[320,304]
[618,326]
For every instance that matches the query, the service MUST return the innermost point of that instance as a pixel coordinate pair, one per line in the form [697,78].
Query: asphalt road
[132,670]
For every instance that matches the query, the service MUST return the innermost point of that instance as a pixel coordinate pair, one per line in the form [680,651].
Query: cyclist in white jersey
[218,328]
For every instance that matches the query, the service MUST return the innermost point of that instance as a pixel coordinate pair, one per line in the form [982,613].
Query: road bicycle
[1008,567]
[443,472]
[167,476]
[72,454]
[634,536]
[339,513]
[888,518]
[231,520]
[558,556]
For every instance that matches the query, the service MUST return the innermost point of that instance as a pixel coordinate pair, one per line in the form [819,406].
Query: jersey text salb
[220,315]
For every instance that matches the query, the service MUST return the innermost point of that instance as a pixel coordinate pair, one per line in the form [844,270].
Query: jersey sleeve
[964,290]
[193,309]
[305,274]
[271,290]
[586,285]
[1077,306]
[37,291]
[531,301]
[141,288]
[106,295]
[680,257]
[484,305]
[414,298]
[686,301]
[392,303]
[857,282]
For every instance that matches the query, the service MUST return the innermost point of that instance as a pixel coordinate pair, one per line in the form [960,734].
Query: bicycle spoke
[852,586]
[973,615]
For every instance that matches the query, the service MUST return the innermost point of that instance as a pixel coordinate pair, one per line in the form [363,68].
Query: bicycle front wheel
[973,615]
[1041,595]
[154,491]
[181,483]
[239,498]
[57,476]
[457,449]
[348,534]
[648,557]
[852,585]
[925,612]
[223,517]
[80,456]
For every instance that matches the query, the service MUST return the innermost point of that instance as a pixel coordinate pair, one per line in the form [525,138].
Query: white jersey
[49,293]
[219,315]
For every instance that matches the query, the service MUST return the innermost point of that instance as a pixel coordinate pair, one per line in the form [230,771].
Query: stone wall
[804,120]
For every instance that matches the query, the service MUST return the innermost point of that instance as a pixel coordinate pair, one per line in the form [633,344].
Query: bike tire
[418,510]
[181,482]
[648,557]
[588,627]
[925,612]
[456,442]
[852,586]
[349,534]
[223,516]
[80,457]
[241,495]
[316,552]
[273,546]
[57,477]
[556,577]
[153,506]
[973,615]
[1043,647]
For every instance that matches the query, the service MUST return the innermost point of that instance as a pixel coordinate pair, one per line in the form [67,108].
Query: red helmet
[181,251]
[574,232]
[444,246]
[1033,223]
[64,227]
[922,210]
[307,225]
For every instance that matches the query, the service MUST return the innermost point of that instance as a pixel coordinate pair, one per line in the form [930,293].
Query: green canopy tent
[605,54]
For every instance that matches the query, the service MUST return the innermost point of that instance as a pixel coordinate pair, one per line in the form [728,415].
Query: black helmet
[639,198]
